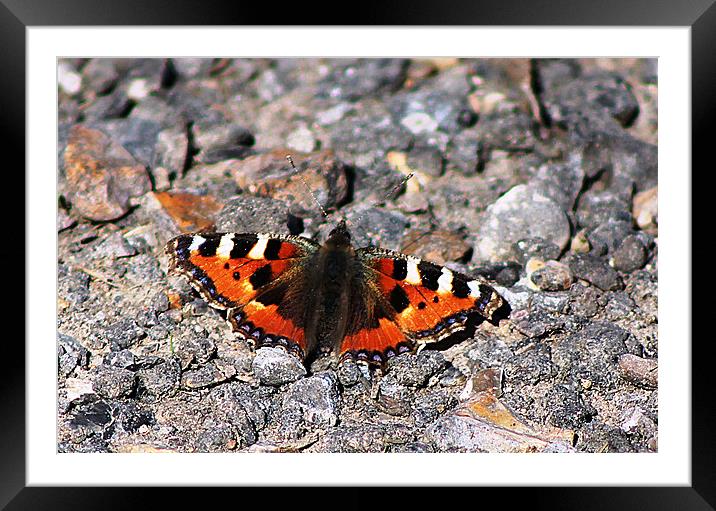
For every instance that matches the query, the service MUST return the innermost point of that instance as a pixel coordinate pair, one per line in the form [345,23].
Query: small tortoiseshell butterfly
[330,299]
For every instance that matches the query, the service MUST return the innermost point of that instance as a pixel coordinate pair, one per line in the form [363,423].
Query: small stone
[68,79]
[70,354]
[393,398]
[114,383]
[630,255]
[419,122]
[195,349]
[641,371]
[274,366]
[608,236]
[258,214]
[301,140]
[438,246]
[317,397]
[122,359]
[595,271]
[115,246]
[569,410]
[123,334]
[348,373]
[217,142]
[520,213]
[551,276]
[101,175]
[207,375]
[158,381]
[100,75]
[271,175]
[415,370]
[645,209]
[528,248]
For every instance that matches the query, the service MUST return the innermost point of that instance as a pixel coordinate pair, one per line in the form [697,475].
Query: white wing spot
[196,242]
[474,288]
[445,281]
[413,276]
[225,246]
[258,251]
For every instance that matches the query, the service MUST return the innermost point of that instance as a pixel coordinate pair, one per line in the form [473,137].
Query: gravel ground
[539,174]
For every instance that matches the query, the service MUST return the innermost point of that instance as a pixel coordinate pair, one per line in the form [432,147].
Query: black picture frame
[17,15]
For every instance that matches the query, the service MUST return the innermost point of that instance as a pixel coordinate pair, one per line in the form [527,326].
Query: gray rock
[274,366]
[348,373]
[525,249]
[317,398]
[595,271]
[597,209]
[253,214]
[70,354]
[171,151]
[113,383]
[530,366]
[352,79]
[609,236]
[122,359]
[123,334]
[560,182]
[210,374]
[376,226]
[393,398]
[114,246]
[195,348]
[161,380]
[100,75]
[415,370]
[568,408]
[138,136]
[592,354]
[217,142]
[215,438]
[428,406]
[630,255]
[133,416]
[72,285]
[520,213]
[553,276]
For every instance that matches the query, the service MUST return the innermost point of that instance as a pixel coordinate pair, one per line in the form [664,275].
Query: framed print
[417,255]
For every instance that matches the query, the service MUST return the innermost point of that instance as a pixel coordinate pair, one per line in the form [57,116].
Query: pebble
[100,75]
[415,370]
[348,373]
[520,213]
[253,214]
[274,366]
[393,398]
[212,373]
[113,383]
[123,334]
[595,270]
[630,255]
[550,276]
[196,349]
[102,175]
[438,246]
[69,80]
[70,354]
[645,209]
[525,249]
[642,371]
[568,407]
[115,246]
[271,175]
[158,381]
[302,140]
[317,397]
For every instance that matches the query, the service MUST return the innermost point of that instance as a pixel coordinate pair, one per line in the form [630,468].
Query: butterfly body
[331,299]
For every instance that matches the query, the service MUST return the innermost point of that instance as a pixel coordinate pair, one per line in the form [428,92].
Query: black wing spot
[400,269]
[261,277]
[242,246]
[272,248]
[460,288]
[399,299]
[227,266]
[237,275]
[422,305]
[429,275]
[208,248]
[436,299]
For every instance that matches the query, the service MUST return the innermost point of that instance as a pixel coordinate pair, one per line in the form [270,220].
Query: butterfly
[330,299]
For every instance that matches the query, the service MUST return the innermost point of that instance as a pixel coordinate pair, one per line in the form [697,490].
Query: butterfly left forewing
[253,276]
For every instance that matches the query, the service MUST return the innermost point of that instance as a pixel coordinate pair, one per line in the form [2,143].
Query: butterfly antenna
[295,170]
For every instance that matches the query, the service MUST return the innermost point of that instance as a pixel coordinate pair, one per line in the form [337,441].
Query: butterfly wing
[251,275]
[415,302]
